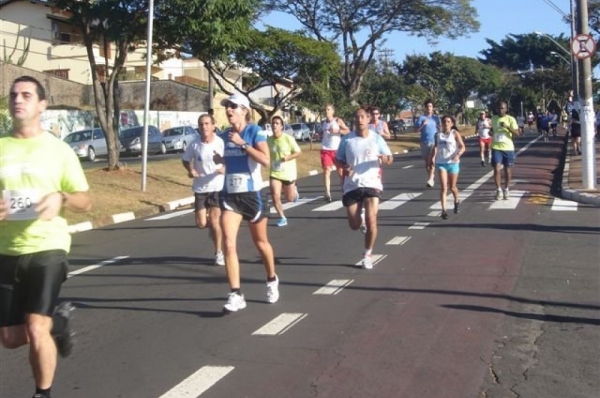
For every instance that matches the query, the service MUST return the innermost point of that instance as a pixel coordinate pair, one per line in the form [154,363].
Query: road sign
[583,46]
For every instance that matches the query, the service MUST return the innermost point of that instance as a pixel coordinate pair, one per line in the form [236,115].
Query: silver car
[177,138]
[88,144]
[131,140]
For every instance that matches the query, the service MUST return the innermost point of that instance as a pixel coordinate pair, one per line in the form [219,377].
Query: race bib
[237,182]
[278,165]
[21,203]
[500,137]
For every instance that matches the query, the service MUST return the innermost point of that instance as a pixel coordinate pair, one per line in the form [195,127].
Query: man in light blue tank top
[428,125]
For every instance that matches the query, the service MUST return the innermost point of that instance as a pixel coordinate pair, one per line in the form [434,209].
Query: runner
[530,120]
[521,124]
[333,128]
[360,157]
[379,126]
[553,123]
[40,176]
[428,125]
[246,152]
[504,128]
[484,125]
[198,160]
[449,146]
[284,151]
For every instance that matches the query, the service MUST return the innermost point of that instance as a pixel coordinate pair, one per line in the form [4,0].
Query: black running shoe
[61,331]
[456,207]
[328,198]
[444,215]
[482,163]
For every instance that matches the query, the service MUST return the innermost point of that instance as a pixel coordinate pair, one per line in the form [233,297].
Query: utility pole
[574,68]
[588,156]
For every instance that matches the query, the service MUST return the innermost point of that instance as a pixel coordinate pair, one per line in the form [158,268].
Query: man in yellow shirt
[40,176]
[504,129]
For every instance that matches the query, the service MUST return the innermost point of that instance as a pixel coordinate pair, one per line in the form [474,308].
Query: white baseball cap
[237,99]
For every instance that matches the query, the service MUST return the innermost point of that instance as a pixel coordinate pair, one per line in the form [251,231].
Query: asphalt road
[501,300]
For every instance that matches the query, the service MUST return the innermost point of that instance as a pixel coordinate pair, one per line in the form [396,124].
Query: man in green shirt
[39,176]
[504,129]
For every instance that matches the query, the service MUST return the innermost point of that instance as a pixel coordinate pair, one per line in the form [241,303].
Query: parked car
[131,140]
[177,138]
[316,130]
[88,144]
[300,131]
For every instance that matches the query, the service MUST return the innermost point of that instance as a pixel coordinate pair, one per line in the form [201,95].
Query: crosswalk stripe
[462,195]
[563,205]
[375,258]
[397,201]
[301,201]
[334,287]
[398,240]
[280,324]
[199,382]
[419,225]
[330,206]
[511,203]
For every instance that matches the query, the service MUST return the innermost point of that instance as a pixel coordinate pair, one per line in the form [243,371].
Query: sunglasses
[231,105]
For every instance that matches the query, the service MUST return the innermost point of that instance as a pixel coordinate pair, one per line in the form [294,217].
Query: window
[62,73]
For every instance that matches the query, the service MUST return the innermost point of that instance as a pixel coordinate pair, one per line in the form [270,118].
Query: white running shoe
[235,302]
[505,194]
[367,262]
[273,291]
[430,183]
[219,259]
[498,194]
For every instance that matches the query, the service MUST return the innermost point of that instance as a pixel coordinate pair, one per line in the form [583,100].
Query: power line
[557,9]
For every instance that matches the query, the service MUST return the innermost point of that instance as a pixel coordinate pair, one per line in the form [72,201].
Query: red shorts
[486,141]
[327,157]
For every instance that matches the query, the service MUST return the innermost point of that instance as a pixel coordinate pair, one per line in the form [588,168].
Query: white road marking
[462,196]
[300,202]
[280,324]
[335,205]
[409,166]
[563,205]
[419,225]
[84,226]
[93,267]
[398,240]
[334,287]
[435,213]
[511,203]
[313,173]
[376,258]
[171,215]
[203,379]
[397,201]
[117,218]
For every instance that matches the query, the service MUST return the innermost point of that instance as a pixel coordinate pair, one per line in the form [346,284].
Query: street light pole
[574,68]
[587,109]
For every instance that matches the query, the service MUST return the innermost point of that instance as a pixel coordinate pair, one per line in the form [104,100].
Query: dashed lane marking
[300,202]
[397,201]
[375,258]
[330,206]
[409,166]
[203,379]
[171,215]
[334,287]
[95,266]
[419,225]
[280,324]
[398,240]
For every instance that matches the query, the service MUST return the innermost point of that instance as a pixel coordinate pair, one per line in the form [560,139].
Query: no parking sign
[583,46]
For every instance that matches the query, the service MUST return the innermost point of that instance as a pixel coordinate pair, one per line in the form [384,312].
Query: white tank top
[330,141]
[447,147]
[483,128]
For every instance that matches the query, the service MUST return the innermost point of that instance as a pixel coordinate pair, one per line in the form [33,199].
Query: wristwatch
[244,147]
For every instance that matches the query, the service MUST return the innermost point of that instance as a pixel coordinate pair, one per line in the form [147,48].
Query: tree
[122,26]
[287,62]
[360,27]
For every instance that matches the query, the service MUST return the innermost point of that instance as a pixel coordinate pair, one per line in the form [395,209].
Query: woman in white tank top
[448,148]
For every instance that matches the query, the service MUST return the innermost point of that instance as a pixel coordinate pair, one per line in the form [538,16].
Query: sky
[498,18]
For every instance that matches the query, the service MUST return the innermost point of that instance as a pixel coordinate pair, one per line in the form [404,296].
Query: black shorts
[30,284]
[251,205]
[575,131]
[283,182]
[359,194]
[206,200]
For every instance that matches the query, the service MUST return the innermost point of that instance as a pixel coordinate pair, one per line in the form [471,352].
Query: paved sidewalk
[572,182]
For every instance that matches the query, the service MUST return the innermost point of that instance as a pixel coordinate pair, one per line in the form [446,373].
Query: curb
[566,192]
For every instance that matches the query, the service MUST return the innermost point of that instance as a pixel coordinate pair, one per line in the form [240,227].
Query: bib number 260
[21,204]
